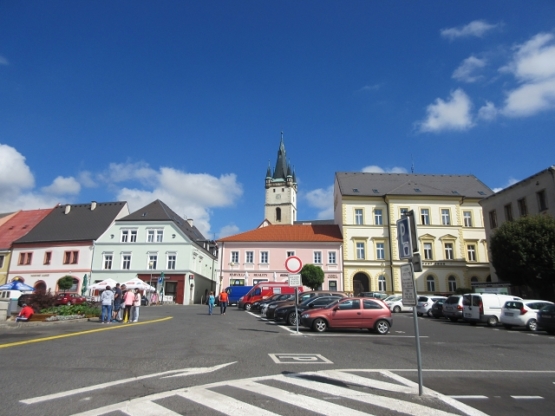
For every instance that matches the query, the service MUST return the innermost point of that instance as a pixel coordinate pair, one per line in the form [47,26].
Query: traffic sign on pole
[404,239]
[295,280]
[293,264]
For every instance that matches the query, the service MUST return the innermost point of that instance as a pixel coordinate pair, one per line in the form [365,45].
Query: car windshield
[393,299]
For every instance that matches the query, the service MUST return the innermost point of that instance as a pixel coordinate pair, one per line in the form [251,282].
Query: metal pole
[296,308]
[417,334]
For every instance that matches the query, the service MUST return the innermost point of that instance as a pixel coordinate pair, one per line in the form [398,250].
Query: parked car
[358,312]
[484,307]
[281,299]
[396,305]
[424,304]
[69,299]
[257,306]
[453,308]
[306,295]
[546,319]
[287,313]
[437,308]
[264,290]
[236,292]
[376,295]
[522,313]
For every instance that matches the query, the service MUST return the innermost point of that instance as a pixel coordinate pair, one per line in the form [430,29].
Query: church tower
[281,191]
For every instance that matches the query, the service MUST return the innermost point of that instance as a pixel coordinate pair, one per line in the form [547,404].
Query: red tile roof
[276,233]
[19,225]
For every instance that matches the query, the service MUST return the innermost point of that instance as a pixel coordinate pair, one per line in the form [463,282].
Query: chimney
[68,208]
[93,205]
[190,221]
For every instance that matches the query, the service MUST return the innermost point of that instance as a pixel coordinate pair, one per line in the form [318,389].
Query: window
[133,236]
[332,257]
[333,284]
[290,254]
[522,208]
[124,236]
[264,257]
[452,283]
[128,236]
[154,236]
[126,261]
[159,236]
[403,211]
[471,251]
[1,261]
[493,219]
[107,262]
[371,304]
[152,261]
[150,236]
[428,251]
[449,251]
[425,216]
[278,214]
[445,217]
[467,218]
[473,279]
[542,201]
[378,220]
[317,257]
[380,251]
[359,220]
[235,257]
[171,261]
[25,258]
[249,257]
[71,257]
[381,284]
[47,257]
[360,251]
[431,284]
[508,212]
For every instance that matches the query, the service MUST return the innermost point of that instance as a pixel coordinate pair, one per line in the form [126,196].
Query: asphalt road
[180,360]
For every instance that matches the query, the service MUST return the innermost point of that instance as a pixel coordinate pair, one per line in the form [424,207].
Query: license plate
[467,315]
[509,314]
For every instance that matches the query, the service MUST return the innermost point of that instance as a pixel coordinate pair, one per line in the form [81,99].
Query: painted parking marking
[527,397]
[469,397]
[299,359]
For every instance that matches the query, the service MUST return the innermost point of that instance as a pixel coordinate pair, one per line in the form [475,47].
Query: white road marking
[470,397]
[300,358]
[527,397]
[147,409]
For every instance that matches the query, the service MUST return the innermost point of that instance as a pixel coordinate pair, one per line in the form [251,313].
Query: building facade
[155,244]
[451,232]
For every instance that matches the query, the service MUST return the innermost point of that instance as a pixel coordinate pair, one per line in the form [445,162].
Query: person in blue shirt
[211,301]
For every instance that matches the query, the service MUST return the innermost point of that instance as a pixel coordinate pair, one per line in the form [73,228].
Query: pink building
[259,255]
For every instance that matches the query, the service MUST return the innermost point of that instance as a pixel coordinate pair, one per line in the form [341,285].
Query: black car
[271,306]
[287,313]
[546,319]
[259,304]
[437,308]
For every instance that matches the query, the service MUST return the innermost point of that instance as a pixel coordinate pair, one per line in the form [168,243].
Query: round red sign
[293,264]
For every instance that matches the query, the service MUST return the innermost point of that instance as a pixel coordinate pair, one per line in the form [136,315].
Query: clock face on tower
[278,196]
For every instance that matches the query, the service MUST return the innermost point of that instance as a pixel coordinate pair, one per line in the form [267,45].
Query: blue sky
[185,101]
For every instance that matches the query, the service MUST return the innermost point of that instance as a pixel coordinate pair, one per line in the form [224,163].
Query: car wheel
[382,327]
[492,321]
[397,309]
[292,319]
[453,319]
[532,325]
[430,313]
[551,332]
[418,314]
[248,307]
[319,325]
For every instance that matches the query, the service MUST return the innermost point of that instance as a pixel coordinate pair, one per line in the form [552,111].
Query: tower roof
[280,172]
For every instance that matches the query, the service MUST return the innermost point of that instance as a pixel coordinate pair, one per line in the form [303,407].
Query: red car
[69,299]
[368,313]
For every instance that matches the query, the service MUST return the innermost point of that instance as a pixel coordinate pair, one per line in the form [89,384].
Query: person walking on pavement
[224,298]
[211,301]
[136,306]
[128,299]
[118,298]
[106,299]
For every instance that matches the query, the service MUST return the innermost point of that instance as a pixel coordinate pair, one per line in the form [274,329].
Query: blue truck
[236,292]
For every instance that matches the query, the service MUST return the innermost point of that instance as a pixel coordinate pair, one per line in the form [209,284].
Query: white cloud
[510,182]
[377,169]
[322,200]
[86,179]
[466,72]
[63,186]
[476,28]
[374,87]
[228,230]
[533,65]
[453,114]
[3,61]
[488,111]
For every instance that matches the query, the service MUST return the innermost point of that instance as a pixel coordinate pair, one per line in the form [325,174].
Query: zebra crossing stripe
[222,403]
[299,400]
[147,408]
[366,382]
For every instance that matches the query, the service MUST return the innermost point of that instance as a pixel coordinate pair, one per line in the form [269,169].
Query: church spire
[280,171]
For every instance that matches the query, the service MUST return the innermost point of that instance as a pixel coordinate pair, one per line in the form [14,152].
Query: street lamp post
[150,265]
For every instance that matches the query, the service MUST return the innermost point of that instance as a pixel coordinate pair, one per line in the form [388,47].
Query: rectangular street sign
[407,285]
[295,280]
[404,239]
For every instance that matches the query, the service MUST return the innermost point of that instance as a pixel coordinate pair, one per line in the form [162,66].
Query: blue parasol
[17,285]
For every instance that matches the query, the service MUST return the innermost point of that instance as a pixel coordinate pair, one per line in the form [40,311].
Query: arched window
[381,284]
[488,279]
[452,283]
[431,284]
[473,279]
[278,214]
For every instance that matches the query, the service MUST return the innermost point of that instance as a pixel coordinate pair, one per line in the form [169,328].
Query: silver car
[453,308]
[424,305]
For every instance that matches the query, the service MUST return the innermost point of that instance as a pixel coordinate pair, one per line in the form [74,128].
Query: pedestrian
[211,301]
[224,298]
[106,299]
[118,297]
[25,313]
[128,300]
[136,306]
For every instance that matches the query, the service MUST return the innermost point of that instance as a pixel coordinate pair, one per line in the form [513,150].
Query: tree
[523,253]
[312,276]
[65,283]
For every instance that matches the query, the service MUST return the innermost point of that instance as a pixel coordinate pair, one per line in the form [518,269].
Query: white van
[484,307]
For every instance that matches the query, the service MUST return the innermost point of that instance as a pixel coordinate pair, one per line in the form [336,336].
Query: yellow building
[450,230]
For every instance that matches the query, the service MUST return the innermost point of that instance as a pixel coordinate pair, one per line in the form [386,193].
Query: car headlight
[272,306]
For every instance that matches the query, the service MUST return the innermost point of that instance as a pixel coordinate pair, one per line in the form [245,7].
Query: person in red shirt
[25,313]
[223,299]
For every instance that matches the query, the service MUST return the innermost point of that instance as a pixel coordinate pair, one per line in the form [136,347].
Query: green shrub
[64,310]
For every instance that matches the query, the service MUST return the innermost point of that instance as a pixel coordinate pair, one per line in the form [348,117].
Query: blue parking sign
[404,239]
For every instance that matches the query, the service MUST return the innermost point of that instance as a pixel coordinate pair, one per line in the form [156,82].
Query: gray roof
[159,211]
[410,184]
[81,223]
